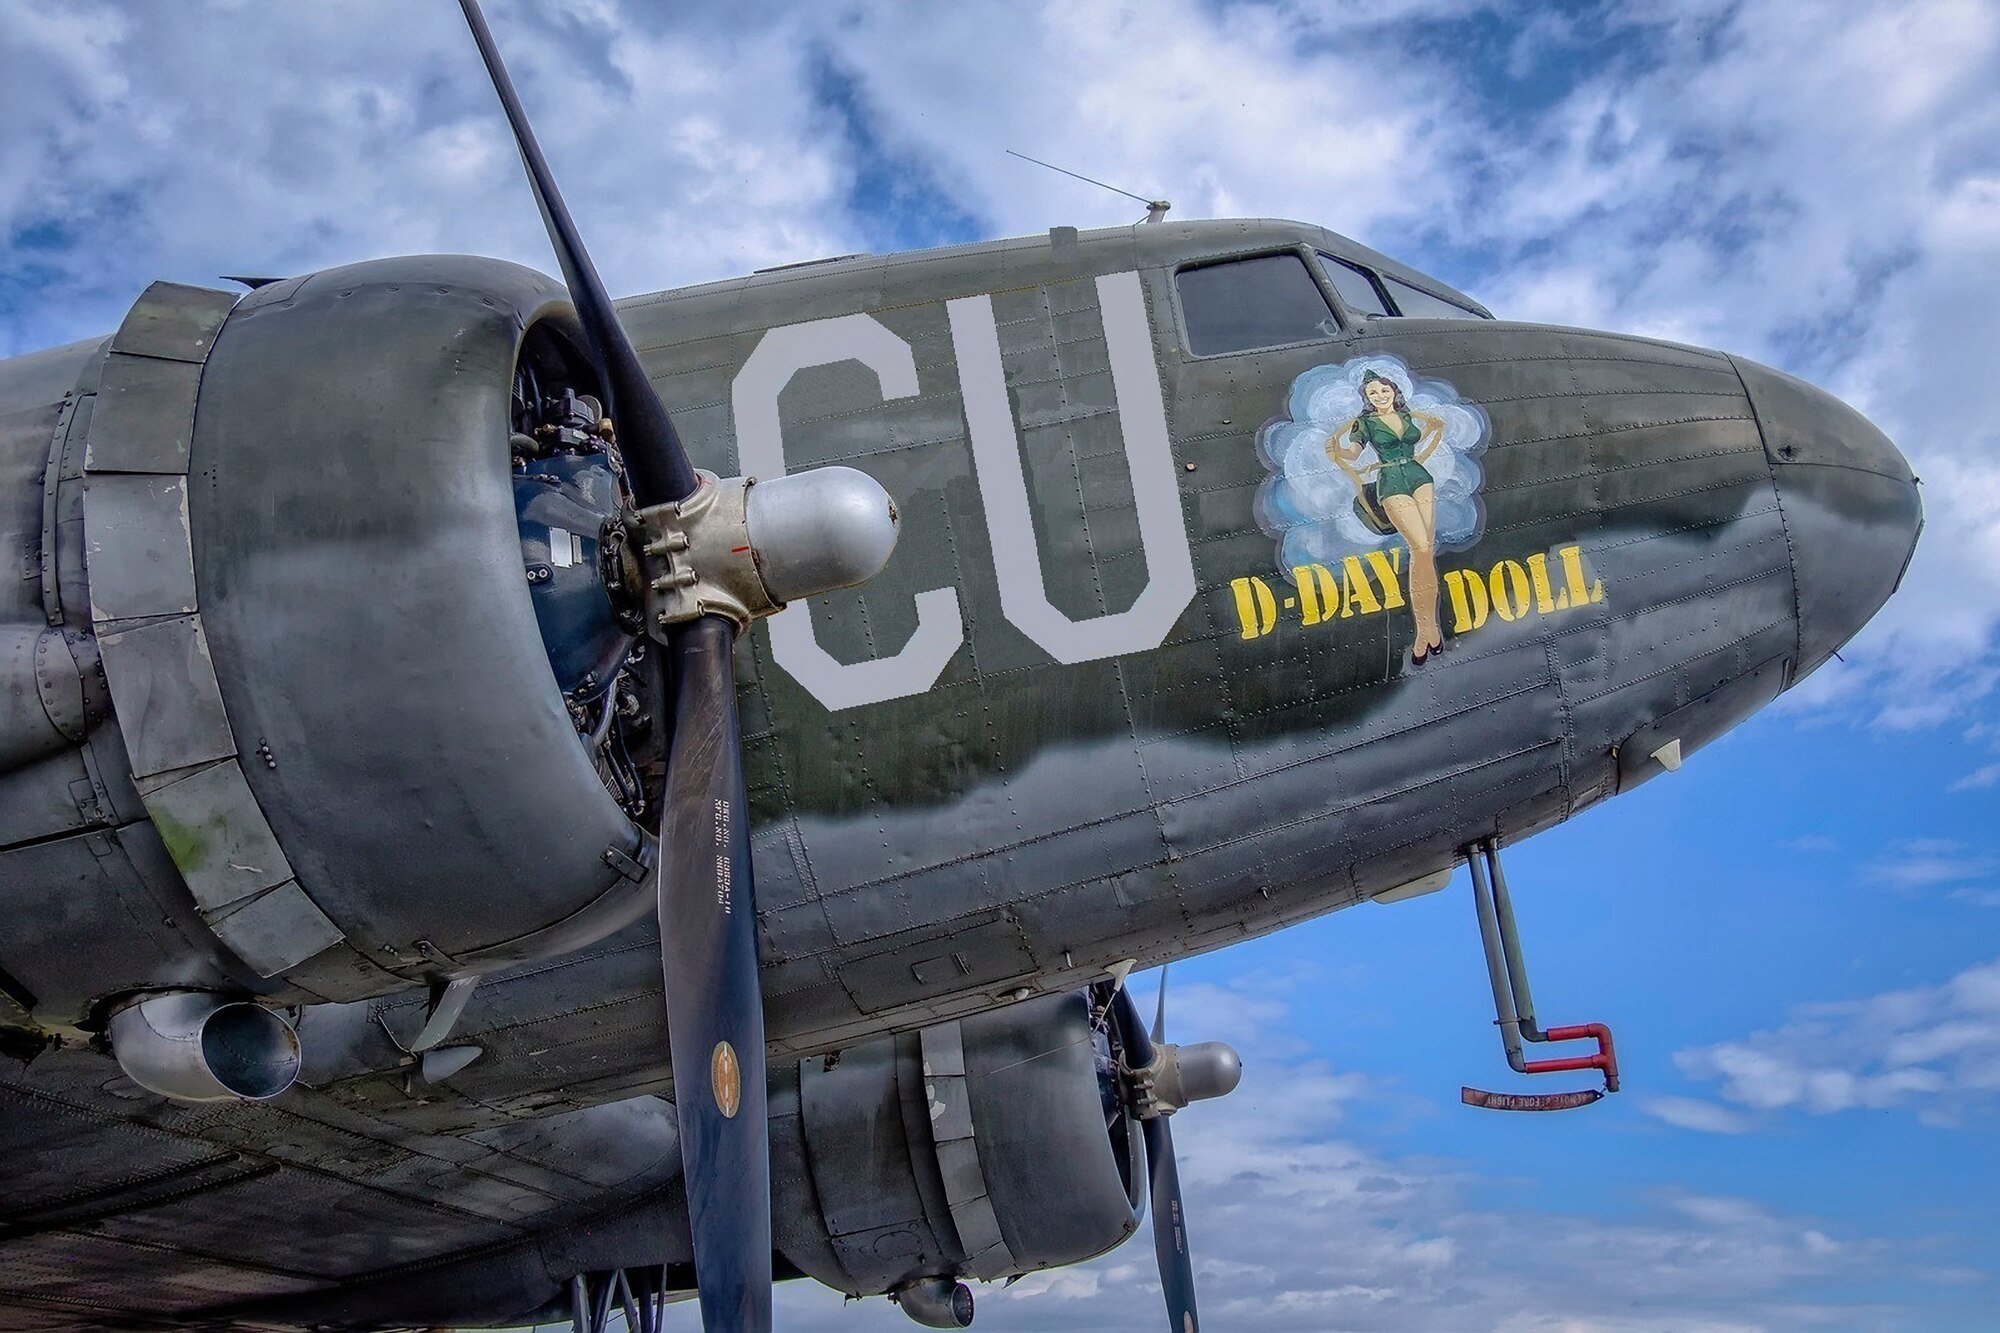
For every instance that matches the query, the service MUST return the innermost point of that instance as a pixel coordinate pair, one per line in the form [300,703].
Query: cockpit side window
[1418,304]
[1241,304]
[1357,289]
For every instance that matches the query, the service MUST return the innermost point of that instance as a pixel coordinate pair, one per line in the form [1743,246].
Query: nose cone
[1849,503]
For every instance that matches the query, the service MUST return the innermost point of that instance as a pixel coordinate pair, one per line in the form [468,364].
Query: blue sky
[1796,938]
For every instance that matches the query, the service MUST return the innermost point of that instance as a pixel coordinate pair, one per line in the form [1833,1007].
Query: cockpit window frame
[1367,274]
[1386,278]
[1343,322]
[1380,282]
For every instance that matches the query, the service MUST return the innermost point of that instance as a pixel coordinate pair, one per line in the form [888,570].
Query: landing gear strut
[1515,1005]
[640,1294]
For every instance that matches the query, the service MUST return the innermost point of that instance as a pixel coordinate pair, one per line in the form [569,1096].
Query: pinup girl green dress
[1401,473]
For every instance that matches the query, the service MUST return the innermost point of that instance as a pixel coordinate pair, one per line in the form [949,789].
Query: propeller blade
[655,462]
[707,907]
[1170,1238]
[715,1012]
[1131,1031]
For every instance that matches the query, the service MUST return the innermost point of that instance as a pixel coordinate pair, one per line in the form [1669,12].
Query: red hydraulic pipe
[1605,1060]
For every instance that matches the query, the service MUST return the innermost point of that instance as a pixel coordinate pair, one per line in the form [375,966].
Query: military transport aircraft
[385,723]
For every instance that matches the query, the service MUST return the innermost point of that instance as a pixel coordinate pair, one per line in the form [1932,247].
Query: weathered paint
[1662,550]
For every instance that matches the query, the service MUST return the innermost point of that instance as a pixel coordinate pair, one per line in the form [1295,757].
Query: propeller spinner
[716,554]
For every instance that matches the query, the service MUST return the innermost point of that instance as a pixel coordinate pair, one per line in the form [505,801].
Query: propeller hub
[742,550]
[1180,1075]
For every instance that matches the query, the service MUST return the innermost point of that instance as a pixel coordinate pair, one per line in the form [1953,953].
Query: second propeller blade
[715,1013]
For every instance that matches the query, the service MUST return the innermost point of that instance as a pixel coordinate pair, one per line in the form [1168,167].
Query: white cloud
[189,142]
[1760,186]
[1229,111]
[1932,1050]
[1693,1113]
[1926,863]
[1978,779]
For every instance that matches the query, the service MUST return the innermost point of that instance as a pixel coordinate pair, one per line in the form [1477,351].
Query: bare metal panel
[174,321]
[218,836]
[55,1155]
[48,796]
[276,930]
[163,680]
[145,415]
[257,1221]
[55,897]
[140,561]
[937,960]
[25,435]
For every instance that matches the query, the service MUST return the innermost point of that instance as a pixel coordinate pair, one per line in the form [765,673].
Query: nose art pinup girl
[1401,440]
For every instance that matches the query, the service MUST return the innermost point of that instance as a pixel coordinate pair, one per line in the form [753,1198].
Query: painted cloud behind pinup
[1308,503]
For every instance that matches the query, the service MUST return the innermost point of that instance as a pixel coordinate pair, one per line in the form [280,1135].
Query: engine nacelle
[984,1148]
[359,636]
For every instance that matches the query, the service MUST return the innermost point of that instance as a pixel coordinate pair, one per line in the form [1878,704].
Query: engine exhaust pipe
[937,1302]
[195,1046]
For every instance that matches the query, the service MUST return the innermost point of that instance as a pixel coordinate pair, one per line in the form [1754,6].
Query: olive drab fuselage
[1217,606]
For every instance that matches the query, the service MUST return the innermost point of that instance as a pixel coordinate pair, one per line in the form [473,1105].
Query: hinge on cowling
[629,867]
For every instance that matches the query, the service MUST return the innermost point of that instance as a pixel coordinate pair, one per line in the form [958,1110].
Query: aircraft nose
[1849,502]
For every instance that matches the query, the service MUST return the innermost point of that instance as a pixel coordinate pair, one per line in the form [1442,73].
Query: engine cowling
[347,665]
[985,1148]
[373,622]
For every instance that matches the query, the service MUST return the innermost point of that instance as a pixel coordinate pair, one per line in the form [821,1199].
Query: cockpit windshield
[1241,304]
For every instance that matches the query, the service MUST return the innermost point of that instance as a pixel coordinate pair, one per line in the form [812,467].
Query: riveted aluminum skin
[51,691]
[1849,501]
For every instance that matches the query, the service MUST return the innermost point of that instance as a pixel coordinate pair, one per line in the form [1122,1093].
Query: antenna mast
[1156,209]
